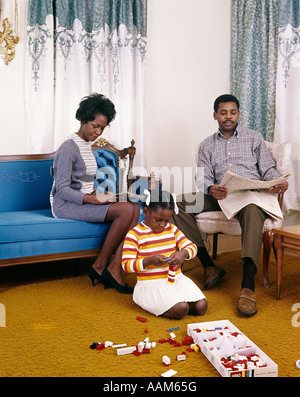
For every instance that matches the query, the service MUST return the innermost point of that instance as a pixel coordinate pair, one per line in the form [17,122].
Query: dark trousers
[251,219]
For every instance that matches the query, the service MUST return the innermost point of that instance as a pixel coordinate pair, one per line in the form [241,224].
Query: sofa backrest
[25,182]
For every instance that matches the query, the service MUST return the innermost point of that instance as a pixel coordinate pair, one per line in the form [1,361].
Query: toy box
[230,351]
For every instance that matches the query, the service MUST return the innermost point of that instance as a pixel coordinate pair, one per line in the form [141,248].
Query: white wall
[187,67]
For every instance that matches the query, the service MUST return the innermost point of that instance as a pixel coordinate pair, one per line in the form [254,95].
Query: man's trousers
[251,219]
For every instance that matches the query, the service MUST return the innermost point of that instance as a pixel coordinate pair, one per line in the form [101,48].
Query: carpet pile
[53,315]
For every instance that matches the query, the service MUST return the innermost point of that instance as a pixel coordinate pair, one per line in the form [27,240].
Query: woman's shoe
[109,279]
[95,275]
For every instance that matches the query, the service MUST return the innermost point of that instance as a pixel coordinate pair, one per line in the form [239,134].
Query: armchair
[215,222]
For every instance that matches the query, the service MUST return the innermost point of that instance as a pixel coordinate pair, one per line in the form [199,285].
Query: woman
[73,193]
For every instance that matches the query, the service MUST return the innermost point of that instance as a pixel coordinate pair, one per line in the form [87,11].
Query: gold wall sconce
[7,40]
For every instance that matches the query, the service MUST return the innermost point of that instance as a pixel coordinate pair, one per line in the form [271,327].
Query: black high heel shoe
[95,275]
[109,279]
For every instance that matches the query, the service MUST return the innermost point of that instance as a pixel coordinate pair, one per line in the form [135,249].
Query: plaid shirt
[245,154]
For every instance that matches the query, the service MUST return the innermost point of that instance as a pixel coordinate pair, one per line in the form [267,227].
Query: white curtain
[79,47]
[287,123]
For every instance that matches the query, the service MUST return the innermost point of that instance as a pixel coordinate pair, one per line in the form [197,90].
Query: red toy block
[189,349]
[146,350]
[136,353]
[101,346]
[141,319]
[146,331]
[162,340]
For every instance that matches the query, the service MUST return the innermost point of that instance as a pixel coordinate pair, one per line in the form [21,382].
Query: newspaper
[234,182]
[265,199]
[243,191]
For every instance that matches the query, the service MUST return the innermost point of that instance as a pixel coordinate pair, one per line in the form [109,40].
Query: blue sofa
[28,231]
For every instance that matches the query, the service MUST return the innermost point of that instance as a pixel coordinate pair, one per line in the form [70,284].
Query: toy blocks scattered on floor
[230,351]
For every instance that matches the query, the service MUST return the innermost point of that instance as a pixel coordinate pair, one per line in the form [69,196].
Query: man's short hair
[225,98]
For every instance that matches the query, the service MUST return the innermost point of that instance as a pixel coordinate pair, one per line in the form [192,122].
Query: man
[243,152]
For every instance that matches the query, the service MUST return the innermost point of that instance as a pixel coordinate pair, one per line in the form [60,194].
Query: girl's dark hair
[160,198]
[94,104]
[225,98]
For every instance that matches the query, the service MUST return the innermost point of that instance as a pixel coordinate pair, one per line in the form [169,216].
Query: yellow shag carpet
[53,314]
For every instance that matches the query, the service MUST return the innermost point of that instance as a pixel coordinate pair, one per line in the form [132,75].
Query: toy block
[146,350]
[146,340]
[146,331]
[148,345]
[172,335]
[173,329]
[176,344]
[141,346]
[143,319]
[181,357]
[162,340]
[108,343]
[94,345]
[100,346]
[169,373]
[190,349]
[126,350]
[136,353]
[166,360]
[153,344]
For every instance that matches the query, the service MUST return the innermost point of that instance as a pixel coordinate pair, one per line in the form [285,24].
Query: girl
[73,195]
[152,249]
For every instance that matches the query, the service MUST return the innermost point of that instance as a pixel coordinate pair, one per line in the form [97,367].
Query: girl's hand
[155,260]
[178,258]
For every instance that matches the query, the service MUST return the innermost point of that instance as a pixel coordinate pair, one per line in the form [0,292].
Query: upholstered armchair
[215,222]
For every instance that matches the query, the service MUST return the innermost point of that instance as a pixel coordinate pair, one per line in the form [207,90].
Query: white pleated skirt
[158,296]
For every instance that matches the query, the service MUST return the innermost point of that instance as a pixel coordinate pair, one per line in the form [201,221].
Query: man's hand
[218,192]
[281,188]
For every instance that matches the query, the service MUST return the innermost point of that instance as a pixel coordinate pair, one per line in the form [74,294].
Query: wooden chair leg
[267,245]
[215,245]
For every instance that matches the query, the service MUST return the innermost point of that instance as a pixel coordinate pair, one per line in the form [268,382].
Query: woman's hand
[98,198]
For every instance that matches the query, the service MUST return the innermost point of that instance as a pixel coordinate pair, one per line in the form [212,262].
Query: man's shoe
[247,302]
[212,275]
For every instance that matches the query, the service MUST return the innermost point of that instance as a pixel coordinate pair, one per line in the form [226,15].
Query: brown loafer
[212,275]
[247,302]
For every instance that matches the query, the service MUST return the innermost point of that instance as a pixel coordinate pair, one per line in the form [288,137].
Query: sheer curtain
[75,48]
[287,126]
[253,62]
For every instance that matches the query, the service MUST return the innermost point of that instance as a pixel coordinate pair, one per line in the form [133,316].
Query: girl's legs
[124,216]
[181,309]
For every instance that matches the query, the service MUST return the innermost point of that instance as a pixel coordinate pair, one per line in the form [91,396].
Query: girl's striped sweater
[141,242]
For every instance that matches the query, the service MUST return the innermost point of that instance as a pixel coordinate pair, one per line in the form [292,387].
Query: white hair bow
[147,194]
[175,203]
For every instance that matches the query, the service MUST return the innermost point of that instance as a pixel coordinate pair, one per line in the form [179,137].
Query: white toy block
[126,350]
[172,335]
[121,345]
[148,345]
[108,343]
[181,357]
[169,373]
[153,344]
[166,360]
[141,346]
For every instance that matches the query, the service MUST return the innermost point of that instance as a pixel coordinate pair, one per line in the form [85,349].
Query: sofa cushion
[40,225]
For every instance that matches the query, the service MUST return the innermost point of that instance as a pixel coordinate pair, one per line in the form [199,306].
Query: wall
[188,66]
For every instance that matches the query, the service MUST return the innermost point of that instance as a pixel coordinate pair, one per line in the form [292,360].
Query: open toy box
[230,351]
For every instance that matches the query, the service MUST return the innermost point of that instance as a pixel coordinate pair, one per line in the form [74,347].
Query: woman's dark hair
[94,104]
[225,98]
[160,198]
